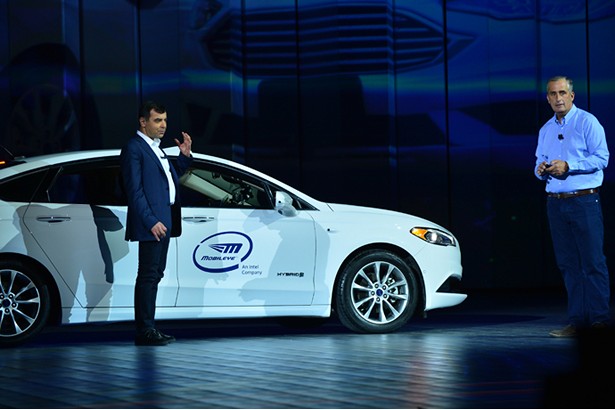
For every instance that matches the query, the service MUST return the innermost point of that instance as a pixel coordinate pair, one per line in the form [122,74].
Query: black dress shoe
[168,338]
[150,337]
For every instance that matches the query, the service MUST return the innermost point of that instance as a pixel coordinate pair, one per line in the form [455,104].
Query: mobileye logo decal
[222,252]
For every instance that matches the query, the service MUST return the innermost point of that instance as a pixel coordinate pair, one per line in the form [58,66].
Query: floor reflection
[477,356]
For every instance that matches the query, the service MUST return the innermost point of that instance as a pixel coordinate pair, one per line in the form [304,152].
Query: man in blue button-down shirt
[571,156]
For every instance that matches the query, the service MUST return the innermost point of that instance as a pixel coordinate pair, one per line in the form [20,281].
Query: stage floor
[493,351]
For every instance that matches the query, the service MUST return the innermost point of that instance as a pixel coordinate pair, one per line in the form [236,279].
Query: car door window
[22,188]
[210,186]
[96,183]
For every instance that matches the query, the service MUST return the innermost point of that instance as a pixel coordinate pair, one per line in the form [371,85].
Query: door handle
[198,219]
[53,219]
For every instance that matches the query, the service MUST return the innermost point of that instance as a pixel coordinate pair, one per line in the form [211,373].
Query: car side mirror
[284,204]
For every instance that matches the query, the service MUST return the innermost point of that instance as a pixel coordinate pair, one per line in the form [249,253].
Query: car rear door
[78,220]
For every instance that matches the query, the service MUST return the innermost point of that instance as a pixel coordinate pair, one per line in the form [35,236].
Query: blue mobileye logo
[227,247]
[222,252]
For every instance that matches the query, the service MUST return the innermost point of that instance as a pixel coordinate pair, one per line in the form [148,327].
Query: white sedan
[251,246]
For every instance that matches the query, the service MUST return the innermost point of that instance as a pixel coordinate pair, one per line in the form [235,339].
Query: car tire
[24,302]
[377,293]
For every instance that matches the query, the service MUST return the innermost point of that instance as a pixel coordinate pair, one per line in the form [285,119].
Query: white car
[251,246]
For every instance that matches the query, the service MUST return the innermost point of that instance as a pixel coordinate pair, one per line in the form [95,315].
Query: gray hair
[561,77]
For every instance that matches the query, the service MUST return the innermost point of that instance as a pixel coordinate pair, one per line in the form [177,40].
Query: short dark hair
[148,106]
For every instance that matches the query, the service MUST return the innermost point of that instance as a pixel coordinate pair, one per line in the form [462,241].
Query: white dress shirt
[154,144]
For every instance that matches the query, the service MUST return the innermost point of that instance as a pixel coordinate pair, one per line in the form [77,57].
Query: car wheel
[25,303]
[377,293]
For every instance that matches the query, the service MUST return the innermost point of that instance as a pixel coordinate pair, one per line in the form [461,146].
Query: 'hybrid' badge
[222,252]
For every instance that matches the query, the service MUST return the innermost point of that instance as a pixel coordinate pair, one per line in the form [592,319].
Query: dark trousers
[577,231]
[152,262]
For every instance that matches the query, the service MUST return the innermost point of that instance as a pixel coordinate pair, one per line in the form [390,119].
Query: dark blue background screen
[424,106]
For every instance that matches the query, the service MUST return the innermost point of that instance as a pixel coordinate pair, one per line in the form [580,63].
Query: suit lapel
[150,152]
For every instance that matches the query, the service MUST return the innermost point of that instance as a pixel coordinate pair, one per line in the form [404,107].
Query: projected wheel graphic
[43,120]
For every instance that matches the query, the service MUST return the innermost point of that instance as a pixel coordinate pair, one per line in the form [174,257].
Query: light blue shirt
[578,139]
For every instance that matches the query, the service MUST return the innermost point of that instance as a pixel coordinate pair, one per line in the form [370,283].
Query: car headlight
[435,236]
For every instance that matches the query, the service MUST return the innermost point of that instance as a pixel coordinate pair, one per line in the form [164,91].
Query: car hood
[356,209]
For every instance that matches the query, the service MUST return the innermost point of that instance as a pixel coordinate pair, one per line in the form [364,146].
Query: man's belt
[563,195]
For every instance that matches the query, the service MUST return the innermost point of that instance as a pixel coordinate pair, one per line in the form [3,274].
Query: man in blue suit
[154,215]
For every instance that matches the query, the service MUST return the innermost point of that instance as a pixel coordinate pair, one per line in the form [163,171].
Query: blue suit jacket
[147,191]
